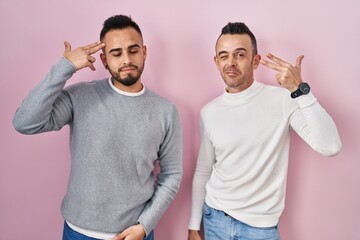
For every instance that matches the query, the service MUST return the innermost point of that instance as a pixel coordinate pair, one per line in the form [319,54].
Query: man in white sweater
[240,179]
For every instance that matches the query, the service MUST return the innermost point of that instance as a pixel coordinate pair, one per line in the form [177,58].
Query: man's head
[239,28]
[236,56]
[124,53]
[118,22]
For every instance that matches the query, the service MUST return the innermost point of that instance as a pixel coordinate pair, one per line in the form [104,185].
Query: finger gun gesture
[288,76]
[82,57]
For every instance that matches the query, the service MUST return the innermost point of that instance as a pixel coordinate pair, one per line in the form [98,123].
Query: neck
[239,88]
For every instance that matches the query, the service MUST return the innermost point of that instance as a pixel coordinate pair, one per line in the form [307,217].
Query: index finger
[91,45]
[273,66]
[278,60]
[95,48]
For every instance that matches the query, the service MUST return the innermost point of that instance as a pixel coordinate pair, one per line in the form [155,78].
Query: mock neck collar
[243,96]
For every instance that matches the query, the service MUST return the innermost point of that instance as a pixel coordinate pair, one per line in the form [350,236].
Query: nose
[126,59]
[231,61]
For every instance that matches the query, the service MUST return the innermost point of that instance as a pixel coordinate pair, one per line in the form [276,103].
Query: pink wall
[323,193]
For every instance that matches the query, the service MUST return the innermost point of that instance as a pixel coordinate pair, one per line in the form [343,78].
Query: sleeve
[169,178]
[315,126]
[205,162]
[47,107]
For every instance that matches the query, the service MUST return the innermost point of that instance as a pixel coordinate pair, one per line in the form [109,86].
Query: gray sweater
[114,142]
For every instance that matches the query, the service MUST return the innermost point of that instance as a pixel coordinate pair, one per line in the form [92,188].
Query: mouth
[232,73]
[126,69]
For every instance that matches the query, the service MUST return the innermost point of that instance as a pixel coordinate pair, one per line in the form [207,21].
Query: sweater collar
[126,93]
[243,96]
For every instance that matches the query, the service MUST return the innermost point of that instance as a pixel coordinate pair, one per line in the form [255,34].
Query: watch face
[304,88]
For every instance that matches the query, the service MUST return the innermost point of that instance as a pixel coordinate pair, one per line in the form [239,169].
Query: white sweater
[243,157]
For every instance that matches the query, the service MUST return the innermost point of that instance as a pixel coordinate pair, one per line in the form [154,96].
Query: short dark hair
[239,28]
[118,22]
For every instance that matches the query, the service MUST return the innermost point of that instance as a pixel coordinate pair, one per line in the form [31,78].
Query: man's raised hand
[288,76]
[82,57]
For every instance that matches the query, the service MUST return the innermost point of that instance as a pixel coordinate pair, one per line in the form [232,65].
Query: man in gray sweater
[118,130]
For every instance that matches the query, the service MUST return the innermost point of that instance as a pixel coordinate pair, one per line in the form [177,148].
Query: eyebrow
[115,50]
[134,46]
[120,49]
[236,50]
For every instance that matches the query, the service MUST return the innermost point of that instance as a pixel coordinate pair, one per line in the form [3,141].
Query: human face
[235,61]
[124,56]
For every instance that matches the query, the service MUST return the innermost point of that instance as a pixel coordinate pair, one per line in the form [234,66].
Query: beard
[127,81]
[130,79]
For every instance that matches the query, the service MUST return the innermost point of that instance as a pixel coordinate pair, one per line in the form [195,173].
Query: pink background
[323,197]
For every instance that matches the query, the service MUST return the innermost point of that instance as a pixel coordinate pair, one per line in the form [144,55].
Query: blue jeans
[70,234]
[220,226]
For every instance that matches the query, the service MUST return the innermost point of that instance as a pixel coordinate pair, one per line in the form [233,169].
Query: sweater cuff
[306,100]
[147,231]
[67,65]
[193,226]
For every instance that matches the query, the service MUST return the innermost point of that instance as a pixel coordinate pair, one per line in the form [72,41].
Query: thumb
[298,62]
[67,47]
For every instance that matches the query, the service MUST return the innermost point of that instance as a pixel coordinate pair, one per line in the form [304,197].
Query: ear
[144,51]
[256,61]
[103,60]
[216,60]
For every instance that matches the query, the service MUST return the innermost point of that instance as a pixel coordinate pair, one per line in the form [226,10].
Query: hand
[288,76]
[135,232]
[81,57]
[194,235]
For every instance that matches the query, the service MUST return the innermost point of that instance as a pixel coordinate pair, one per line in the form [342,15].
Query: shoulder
[164,110]
[211,109]
[157,100]
[213,104]
[86,86]
[276,90]
[279,96]
[275,94]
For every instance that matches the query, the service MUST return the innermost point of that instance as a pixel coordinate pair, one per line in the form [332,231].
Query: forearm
[170,175]
[316,127]
[35,113]
[201,176]
[205,162]
[165,191]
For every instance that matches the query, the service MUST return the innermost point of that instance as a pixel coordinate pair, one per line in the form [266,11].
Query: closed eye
[224,57]
[133,51]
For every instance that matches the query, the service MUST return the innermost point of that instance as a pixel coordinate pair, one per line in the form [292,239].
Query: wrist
[141,230]
[302,89]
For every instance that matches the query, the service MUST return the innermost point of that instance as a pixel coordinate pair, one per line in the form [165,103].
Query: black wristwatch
[303,89]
